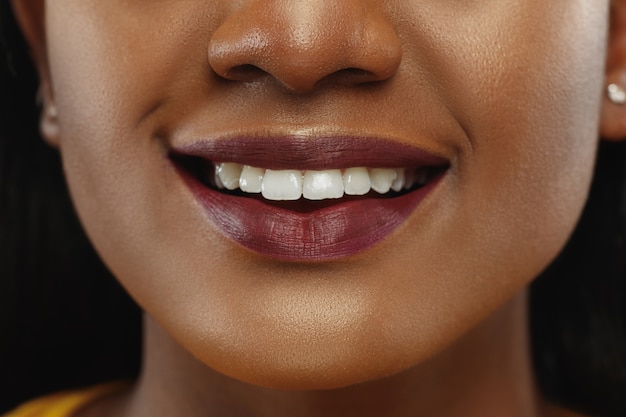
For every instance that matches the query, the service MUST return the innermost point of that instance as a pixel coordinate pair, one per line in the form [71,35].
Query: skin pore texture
[431,320]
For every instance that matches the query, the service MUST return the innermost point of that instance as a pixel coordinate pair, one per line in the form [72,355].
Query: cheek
[529,101]
[112,63]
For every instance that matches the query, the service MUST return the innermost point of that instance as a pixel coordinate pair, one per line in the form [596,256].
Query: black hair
[578,305]
[65,322]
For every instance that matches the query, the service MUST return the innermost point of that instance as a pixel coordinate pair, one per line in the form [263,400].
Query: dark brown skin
[432,321]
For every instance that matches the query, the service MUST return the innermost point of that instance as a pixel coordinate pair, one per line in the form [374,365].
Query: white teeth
[319,185]
[229,173]
[409,179]
[251,179]
[398,183]
[356,181]
[315,185]
[382,178]
[282,185]
[218,181]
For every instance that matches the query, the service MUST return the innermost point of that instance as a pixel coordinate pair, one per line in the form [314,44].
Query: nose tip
[299,44]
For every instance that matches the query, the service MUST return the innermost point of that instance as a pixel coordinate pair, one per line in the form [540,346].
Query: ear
[613,118]
[30,16]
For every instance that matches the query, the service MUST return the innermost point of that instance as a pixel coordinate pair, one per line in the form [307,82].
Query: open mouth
[307,199]
[305,191]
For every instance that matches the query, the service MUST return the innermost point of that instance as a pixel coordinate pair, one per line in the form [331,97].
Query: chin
[312,361]
[312,372]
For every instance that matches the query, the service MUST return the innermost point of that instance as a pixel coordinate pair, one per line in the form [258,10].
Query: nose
[302,42]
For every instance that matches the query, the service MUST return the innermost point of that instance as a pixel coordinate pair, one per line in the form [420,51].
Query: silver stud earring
[616,94]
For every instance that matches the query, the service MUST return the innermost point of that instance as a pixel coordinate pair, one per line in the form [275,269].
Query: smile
[315,199]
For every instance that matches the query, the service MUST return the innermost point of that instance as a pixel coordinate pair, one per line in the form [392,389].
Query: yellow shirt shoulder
[64,404]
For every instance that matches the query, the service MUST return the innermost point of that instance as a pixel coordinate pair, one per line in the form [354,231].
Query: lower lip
[338,231]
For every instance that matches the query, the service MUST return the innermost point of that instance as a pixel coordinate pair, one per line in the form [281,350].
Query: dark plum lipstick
[330,230]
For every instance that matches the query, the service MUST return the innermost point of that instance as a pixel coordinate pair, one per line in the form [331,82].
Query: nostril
[346,76]
[246,72]
[357,72]
[355,76]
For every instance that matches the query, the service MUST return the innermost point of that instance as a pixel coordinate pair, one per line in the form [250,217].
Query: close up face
[490,109]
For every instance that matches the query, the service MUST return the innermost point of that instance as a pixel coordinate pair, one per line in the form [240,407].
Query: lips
[334,227]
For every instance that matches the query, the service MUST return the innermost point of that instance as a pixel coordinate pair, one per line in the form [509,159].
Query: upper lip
[314,153]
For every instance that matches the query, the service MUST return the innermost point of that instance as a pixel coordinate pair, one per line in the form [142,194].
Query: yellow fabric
[64,404]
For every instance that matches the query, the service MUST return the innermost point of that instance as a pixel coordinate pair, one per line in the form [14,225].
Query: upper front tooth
[382,178]
[228,174]
[282,185]
[356,181]
[251,179]
[319,185]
